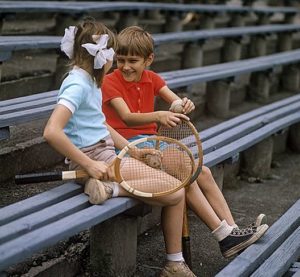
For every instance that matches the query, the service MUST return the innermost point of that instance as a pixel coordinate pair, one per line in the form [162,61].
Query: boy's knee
[206,171]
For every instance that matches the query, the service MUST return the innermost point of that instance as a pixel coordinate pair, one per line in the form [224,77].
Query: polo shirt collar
[145,79]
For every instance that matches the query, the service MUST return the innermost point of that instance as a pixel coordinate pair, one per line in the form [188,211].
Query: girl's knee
[176,197]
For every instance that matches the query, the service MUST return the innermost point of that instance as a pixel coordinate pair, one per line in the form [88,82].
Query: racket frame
[130,146]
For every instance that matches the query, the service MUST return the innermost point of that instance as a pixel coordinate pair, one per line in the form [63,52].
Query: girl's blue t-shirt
[83,98]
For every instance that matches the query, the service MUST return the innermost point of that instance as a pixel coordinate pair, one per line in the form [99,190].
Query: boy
[128,103]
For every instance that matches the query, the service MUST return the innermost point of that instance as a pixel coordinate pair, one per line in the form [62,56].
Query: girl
[77,129]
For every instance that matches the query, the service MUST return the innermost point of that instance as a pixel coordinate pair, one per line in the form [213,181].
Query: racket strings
[159,172]
[186,133]
[181,132]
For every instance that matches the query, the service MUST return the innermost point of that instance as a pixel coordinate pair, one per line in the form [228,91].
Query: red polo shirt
[139,97]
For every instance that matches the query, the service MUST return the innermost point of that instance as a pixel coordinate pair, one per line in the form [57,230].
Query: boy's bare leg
[214,196]
[212,207]
[201,207]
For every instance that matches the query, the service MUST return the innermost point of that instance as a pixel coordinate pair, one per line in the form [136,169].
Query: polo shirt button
[139,111]
[138,88]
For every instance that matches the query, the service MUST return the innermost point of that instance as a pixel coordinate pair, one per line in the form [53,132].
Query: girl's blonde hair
[84,34]
[135,41]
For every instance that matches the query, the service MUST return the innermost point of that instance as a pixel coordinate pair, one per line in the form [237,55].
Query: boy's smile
[132,67]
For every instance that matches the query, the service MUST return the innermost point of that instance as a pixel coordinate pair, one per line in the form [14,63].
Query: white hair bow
[67,42]
[99,50]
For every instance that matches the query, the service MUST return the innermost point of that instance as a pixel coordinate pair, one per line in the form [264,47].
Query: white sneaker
[176,269]
[98,191]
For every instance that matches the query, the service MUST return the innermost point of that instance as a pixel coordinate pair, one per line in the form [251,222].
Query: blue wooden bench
[85,7]
[80,6]
[275,254]
[188,39]
[31,225]
[24,109]
[187,77]
[9,44]
[131,10]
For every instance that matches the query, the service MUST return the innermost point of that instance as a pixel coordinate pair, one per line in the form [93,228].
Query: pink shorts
[104,151]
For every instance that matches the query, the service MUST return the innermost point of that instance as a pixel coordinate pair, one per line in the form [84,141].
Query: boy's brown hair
[85,32]
[135,41]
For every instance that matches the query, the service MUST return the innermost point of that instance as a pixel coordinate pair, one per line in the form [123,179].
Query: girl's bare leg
[173,206]
[171,220]
[171,217]
[214,196]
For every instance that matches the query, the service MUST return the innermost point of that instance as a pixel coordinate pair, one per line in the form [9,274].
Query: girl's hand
[188,105]
[170,119]
[100,170]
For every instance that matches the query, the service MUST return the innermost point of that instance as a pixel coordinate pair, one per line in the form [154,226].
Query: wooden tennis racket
[186,133]
[152,171]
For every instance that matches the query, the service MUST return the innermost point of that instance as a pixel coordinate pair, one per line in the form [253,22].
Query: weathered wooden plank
[231,149]
[42,217]
[228,124]
[24,246]
[273,60]
[248,261]
[38,202]
[19,117]
[222,33]
[80,7]
[29,98]
[28,105]
[279,262]
[247,127]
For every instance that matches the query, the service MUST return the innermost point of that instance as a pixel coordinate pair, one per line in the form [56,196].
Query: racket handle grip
[38,177]
[186,251]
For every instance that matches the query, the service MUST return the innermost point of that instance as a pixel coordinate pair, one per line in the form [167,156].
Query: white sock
[234,226]
[116,189]
[177,257]
[222,231]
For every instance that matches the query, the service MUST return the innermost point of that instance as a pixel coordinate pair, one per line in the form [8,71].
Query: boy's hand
[188,105]
[141,153]
[149,156]
[170,119]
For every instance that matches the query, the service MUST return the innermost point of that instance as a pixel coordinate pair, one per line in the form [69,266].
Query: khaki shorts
[104,151]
